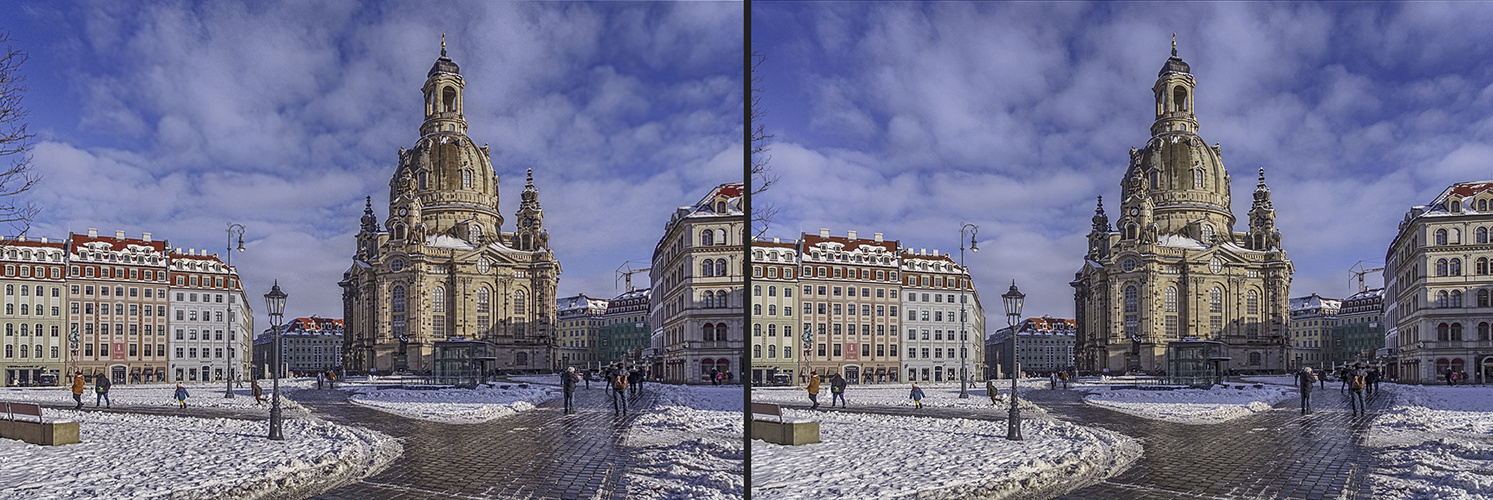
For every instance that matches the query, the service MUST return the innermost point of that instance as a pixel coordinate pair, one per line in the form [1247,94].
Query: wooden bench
[783,431]
[24,421]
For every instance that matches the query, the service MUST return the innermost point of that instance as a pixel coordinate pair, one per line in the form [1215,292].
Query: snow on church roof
[445,241]
[1179,241]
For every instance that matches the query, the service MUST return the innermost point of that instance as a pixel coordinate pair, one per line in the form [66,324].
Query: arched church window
[1131,299]
[707,237]
[476,233]
[448,100]
[1440,236]
[1131,231]
[396,299]
[1179,98]
[424,184]
[438,296]
[1155,179]
[1171,299]
[1197,178]
[1252,302]
[1207,233]
[466,179]
[720,267]
[519,302]
[484,300]
[1215,300]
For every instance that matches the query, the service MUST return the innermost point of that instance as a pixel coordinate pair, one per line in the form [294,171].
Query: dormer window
[1456,206]
[720,207]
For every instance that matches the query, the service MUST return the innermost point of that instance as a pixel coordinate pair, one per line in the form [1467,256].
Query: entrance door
[852,374]
[116,375]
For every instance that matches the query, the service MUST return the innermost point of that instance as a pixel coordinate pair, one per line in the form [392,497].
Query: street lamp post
[971,230]
[275,303]
[232,228]
[1013,300]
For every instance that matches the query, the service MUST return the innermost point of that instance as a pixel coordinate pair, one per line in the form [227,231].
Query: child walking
[917,396]
[181,395]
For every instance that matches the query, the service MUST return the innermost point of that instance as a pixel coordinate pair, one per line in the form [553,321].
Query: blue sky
[175,118]
[908,118]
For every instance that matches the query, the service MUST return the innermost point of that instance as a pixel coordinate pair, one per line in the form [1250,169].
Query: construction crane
[627,274]
[1360,272]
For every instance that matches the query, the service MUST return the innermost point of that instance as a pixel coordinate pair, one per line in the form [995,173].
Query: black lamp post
[275,303]
[232,228]
[974,246]
[1013,300]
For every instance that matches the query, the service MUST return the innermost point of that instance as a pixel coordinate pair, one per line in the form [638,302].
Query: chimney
[823,232]
[92,232]
[21,238]
[775,240]
[43,239]
[119,234]
[146,237]
[922,251]
[877,236]
[851,233]
[935,252]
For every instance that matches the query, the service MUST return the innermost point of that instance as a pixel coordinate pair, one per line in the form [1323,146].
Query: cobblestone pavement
[539,453]
[1275,454]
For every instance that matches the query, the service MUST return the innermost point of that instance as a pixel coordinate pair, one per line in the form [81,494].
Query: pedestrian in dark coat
[567,381]
[837,387]
[633,377]
[1356,383]
[181,395]
[917,396]
[1370,380]
[1304,380]
[619,386]
[101,387]
[991,391]
[256,391]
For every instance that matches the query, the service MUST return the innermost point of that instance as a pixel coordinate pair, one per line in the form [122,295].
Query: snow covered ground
[145,456]
[1190,406]
[200,394]
[691,443]
[453,406]
[935,395]
[1438,443]
[883,457]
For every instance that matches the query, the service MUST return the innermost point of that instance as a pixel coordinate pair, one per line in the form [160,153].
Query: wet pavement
[539,453]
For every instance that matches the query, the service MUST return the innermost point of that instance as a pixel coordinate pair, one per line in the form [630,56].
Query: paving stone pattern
[534,454]
[1276,454]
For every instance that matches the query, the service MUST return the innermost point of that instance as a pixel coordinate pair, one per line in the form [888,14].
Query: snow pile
[935,395]
[138,456]
[200,394]
[1438,443]
[880,456]
[690,444]
[1191,406]
[455,406]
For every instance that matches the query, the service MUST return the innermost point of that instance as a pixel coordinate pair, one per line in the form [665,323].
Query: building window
[1442,299]
[1456,267]
[1215,300]
[1252,302]
[1482,298]
[1197,178]
[1171,299]
[1456,332]
[1131,299]
[1443,332]
[1482,331]
[1482,265]
[1171,327]
[396,299]
[707,237]
[1254,358]
[1456,298]
[720,267]
[1482,232]
[1440,236]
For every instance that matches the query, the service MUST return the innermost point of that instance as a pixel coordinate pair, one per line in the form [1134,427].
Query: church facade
[440,265]
[1172,266]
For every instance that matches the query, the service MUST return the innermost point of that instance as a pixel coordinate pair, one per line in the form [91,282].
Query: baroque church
[440,266]
[1172,266]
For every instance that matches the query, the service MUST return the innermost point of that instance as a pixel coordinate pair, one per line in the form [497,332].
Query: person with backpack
[256,391]
[991,391]
[1304,380]
[1370,380]
[633,377]
[619,388]
[837,388]
[917,396]
[101,387]
[181,395]
[77,389]
[1355,381]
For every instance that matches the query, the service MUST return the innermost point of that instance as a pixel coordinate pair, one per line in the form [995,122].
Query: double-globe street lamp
[1013,300]
[232,228]
[275,303]
[970,230]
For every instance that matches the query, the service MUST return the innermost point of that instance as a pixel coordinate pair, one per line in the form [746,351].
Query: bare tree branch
[15,142]
[762,175]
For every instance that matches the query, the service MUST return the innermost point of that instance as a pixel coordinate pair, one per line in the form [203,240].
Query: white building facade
[697,278]
[775,315]
[208,320]
[944,323]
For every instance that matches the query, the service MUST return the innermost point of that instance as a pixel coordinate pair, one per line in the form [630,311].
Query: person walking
[78,390]
[990,390]
[633,377]
[715,377]
[1369,381]
[587,377]
[1451,377]
[814,390]
[1356,378]
[256,391]
[1063,376]
[568,378]
[619,386]
[917,396]
[1304,380]
[101,385]
[181,395]
[837,389]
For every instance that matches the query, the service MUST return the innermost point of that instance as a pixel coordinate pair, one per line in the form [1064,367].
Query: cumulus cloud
[175,119]
[909,119]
